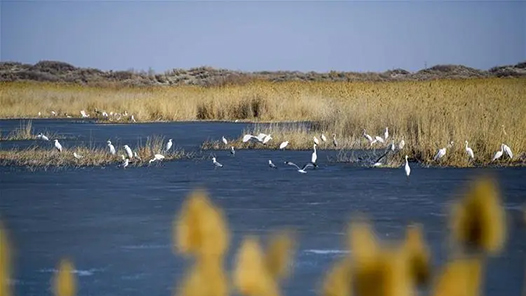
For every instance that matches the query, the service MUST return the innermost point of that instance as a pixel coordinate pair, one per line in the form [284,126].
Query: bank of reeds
[35,156]
[478,227]
[25,132]
[426,114]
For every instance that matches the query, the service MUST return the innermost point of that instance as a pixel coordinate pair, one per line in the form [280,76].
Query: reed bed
[478,231]
[25,132]
[426,114]
[35,157]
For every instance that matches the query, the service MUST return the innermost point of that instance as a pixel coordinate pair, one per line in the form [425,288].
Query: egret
[499,153]
[507,149]
[334,142]
[217,164]
[441,152]
[54,113]
[272,165]
[125,163]
[84,114]
[283,145]
[392,146]
[259,137]
[58,146]
[42,136]
[133,118]
[401,145]
[39,114]
[156,157]
[316,140]
[168,145]
[407,168]
[369,138]
[128,151]
[386,133]
[266,139]
[232,151]
[301,170]
[323,138]
[469,151]
[314,156]
[378,139]
[77,156]
[224,140]
[112,149]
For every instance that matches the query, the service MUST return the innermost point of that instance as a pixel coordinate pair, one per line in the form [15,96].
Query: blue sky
[264,35]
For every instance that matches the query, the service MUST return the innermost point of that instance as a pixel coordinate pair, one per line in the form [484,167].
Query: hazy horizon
[359,36]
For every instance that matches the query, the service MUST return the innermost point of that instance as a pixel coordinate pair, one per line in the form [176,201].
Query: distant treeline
[54,71]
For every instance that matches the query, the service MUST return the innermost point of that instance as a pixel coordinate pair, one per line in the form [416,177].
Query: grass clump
[88,155]
[25,132]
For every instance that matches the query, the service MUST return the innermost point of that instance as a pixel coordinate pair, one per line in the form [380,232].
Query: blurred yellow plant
[478,220]
[279,254]
[64,282]
[419,255]
[338,280]
[251,275]
[460,277]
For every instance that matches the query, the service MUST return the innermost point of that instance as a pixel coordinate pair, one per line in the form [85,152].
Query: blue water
[116,224]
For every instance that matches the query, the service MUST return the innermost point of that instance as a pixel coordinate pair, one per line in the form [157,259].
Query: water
[116,224]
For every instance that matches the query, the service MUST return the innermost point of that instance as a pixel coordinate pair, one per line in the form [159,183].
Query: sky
[264,35]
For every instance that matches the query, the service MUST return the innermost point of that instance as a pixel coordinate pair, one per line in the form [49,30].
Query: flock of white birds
[263,138]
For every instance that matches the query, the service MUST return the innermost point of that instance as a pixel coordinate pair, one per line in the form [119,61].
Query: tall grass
[426,114]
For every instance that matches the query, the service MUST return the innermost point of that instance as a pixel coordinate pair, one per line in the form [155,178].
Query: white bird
[128,151]
[42,136]
[283,145]
[125,163]
[401,145]
[369,138]
[469,151]
[301,170]
[334,142]
[136,155]
[378,139]
[314,156]
[266,139]
[499,153]
[217,164]
[84,114]
[58,146]
[133,118]
[77,156]
[54,113]
[168,145]
[258,138]
[156,157]
[392,146]
[224,140]
[272,165]
[507,149]
[316,140]
[386,133]
[323,138]
[112,149]
[441,152]
[247,138]
[232,151]
[407,168]
[39,114]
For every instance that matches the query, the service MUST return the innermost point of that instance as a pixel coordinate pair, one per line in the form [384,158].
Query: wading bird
[401,144]
[168,145]
[386,133]
[112,149]
[156,157]
[301,170]
[507,149]
[283,145]
[84,114]
[314,156]
[232,151]
[43,137]
[128,151]
[77,156]
[323,138]
[272,165]
[316,140]
[368,137]
[441,152]
[58,146]
[498,154]
[224,140]
[217,164]
[469,151]
[407,168]
[334,142]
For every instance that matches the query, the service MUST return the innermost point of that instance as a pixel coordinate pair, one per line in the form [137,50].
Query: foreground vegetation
[372,267]
[80,156]
[427,115]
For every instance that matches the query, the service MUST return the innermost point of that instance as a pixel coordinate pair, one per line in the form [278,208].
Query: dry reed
[25,132]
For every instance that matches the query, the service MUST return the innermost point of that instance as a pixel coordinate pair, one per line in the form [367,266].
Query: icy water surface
[116,224]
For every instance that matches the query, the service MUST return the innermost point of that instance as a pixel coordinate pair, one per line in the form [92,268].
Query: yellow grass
[90,156]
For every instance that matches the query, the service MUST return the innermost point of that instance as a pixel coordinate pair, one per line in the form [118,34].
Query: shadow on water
[116,223]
